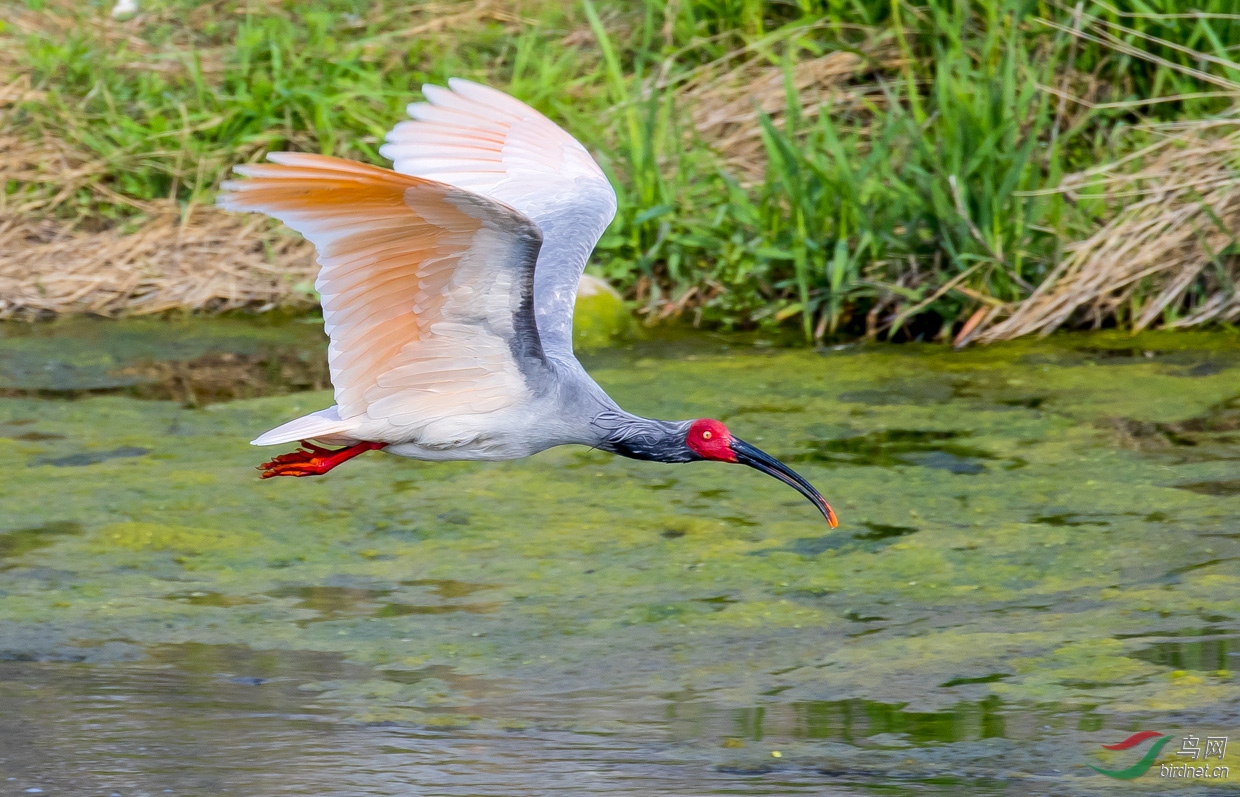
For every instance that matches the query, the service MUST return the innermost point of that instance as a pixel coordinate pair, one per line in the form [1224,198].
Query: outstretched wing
[482,140]
[426,289]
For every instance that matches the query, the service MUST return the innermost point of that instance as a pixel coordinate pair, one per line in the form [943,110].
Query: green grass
[938,177]
[934,175]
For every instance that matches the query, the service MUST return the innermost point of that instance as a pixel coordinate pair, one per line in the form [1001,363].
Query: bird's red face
[710,439]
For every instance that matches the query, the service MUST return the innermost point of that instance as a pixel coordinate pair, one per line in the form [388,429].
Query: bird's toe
[302,462]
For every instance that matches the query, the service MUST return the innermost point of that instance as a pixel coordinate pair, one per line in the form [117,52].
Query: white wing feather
[479,139]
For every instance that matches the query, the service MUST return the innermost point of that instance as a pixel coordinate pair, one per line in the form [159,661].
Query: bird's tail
[321,425]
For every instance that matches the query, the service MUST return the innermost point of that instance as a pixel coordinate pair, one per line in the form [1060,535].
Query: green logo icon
[1141,767]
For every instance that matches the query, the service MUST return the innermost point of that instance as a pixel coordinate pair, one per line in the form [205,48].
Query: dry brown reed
[1163,256]
[195,259]
[205,260]
[726,100]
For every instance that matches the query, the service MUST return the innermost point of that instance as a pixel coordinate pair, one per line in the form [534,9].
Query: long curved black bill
[757,458]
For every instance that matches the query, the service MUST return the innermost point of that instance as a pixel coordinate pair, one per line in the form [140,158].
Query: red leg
[313,460]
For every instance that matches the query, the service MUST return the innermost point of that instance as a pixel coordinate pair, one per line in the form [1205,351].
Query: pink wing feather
[421,285]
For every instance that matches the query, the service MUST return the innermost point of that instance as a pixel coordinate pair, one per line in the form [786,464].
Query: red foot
[313,460]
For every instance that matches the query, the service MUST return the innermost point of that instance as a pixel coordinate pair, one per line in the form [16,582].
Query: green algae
[179,539]
[1006,551]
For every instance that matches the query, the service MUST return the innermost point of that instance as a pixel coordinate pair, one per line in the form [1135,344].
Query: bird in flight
[447,285]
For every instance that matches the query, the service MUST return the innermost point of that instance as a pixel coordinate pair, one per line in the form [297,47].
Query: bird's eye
[707,435]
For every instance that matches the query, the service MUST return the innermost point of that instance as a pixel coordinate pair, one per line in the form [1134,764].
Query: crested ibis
[447,286]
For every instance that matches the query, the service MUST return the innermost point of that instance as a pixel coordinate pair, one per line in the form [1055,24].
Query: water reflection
[337,603]
[856,721]
[1198,654]
[84,458]
[22,541]
[879,536]
[447,588]
[192,363]
[216,599]
[208,719]
[199,719]
[1219,488]
[893,447]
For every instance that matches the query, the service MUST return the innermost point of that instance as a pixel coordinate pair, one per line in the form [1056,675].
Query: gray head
[692,441]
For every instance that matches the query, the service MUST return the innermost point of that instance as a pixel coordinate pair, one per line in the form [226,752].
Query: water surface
[1037,556]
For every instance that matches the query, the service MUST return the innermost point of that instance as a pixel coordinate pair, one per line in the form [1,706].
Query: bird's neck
[636,437]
